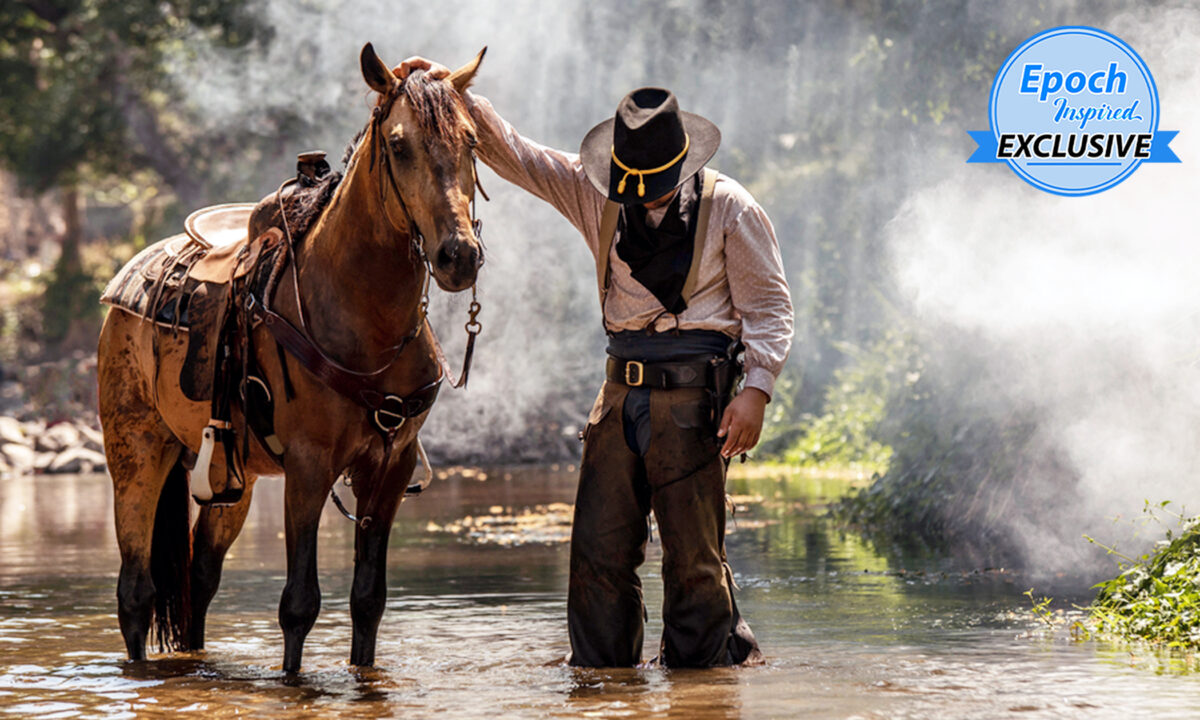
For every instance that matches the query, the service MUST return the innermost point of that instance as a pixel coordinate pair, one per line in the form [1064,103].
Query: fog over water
[1087,307]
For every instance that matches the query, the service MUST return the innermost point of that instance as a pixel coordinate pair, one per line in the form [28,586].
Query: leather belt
[662,375]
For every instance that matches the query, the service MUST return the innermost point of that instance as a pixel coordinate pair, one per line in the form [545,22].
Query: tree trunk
[69,262]
[70,320]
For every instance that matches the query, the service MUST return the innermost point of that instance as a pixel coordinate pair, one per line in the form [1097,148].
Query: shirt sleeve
[552,175]
[759,291]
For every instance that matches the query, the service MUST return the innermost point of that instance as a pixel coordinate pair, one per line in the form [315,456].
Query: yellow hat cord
[641,174]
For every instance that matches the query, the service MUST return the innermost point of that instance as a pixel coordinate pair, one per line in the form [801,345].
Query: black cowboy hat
[648,148]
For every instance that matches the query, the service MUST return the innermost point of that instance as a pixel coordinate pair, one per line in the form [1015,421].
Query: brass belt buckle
[641,373]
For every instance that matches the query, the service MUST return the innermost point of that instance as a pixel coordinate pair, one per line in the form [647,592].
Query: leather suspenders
[608,228]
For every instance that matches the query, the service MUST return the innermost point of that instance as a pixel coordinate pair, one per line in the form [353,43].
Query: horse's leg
[306,488]
[216,529]
[141,453]
[369,592]
[138,482]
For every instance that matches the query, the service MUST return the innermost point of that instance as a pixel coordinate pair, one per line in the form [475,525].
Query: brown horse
[359,283]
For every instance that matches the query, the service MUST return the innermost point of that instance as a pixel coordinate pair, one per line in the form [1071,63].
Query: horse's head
[422,139]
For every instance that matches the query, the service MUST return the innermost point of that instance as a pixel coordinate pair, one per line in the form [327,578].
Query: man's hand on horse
[742,422]
[434,70]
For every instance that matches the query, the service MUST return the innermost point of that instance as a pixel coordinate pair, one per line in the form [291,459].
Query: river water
[475,625]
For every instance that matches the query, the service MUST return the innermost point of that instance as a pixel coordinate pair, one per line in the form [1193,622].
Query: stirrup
[198,476]
[229,496]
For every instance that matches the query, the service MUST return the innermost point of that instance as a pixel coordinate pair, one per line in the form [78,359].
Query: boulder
[92,439]
[77,460]
[42,461]
[11,432]
[58,438]
[20,458]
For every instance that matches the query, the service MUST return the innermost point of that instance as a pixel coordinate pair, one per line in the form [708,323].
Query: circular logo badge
[1074,111]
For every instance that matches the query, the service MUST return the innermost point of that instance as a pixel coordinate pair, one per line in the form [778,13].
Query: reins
[389,412]
[472,327]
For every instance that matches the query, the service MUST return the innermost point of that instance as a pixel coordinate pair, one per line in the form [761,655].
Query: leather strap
[706,195]
[608,228]
[356,386]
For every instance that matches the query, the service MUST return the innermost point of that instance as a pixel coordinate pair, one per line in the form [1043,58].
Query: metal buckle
[387,420]
[641,373]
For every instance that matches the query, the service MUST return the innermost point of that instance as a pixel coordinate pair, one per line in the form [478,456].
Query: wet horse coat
[355,287]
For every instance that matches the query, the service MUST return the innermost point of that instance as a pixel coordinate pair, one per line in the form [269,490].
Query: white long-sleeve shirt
[741,289]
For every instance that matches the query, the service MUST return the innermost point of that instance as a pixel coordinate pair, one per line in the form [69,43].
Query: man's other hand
[742,422]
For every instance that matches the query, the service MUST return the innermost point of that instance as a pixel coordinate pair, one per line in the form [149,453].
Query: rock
[11,432]
[77,460]
[92,439]
[20,458]
[42,460]
[57,438]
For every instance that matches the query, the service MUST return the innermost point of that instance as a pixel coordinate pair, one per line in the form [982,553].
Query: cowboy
[689,273]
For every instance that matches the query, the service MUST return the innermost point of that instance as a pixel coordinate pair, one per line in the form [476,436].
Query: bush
[856,405]
[967,454]
[1156,598]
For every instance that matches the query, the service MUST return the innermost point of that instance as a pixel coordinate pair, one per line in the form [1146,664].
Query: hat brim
[595,152]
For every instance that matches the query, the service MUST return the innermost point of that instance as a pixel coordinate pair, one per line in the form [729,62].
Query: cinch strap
[687,141]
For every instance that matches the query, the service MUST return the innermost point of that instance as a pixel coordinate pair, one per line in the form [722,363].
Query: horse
[358,287]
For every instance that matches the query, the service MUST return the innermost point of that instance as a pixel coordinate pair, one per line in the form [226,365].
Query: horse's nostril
[444,258]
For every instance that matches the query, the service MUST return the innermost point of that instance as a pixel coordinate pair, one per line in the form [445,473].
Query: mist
[835,116]
[1088,308]
[553,73]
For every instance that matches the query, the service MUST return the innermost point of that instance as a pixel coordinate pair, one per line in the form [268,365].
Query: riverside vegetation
[1156,597]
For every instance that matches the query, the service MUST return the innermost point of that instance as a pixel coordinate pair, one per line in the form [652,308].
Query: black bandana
[660,258]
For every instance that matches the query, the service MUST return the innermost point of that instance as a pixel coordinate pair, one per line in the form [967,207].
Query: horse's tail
[171,563]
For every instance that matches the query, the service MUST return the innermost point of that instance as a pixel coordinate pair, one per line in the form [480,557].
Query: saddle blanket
[161,281]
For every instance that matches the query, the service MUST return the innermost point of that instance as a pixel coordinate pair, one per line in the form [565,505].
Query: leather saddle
[185,282]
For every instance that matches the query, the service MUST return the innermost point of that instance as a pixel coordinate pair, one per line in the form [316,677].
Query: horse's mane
[302,205]
[433,102]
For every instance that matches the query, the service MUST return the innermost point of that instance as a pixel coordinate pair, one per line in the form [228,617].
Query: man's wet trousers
[680,475]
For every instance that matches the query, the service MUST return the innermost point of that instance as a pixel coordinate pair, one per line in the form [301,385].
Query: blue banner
[1160,151]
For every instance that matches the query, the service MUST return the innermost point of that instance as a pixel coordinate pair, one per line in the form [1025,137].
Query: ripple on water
[475,630]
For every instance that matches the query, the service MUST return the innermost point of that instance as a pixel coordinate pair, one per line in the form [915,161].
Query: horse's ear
[377,75]
[462,77]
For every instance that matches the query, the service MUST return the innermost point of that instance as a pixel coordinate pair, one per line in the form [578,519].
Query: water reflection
[476,629]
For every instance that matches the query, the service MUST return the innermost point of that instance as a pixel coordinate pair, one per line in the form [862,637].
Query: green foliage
[1041,608]
[857,403]
[85,100]
[71,299]
[967,452]
[1156,597]
[82,83]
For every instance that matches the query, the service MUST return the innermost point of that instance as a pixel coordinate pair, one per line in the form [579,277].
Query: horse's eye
[398,146]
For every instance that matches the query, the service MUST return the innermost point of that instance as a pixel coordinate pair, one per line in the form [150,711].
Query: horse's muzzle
[456,264]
